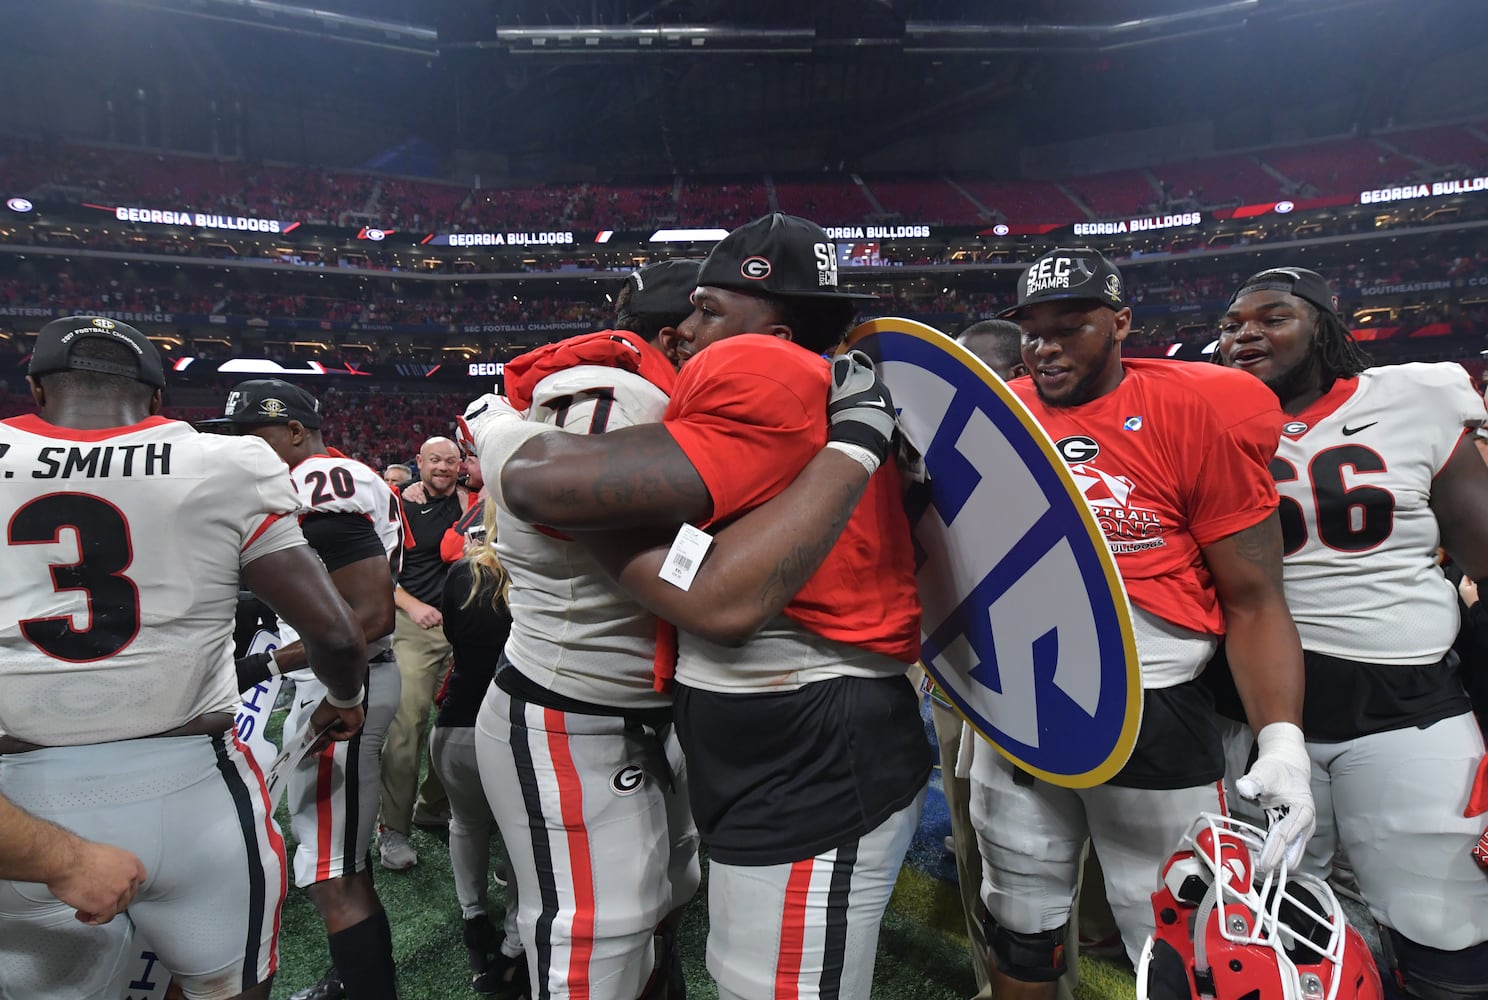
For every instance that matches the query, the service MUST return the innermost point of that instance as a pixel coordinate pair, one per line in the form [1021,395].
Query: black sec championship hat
[266,401]
[662,289]
[54,344]
[1069,273]
[1298,281]
[781,255]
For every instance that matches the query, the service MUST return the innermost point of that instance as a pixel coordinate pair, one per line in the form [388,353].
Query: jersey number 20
[104,553]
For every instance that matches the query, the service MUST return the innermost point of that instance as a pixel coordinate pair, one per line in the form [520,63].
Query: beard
[1084,390]
[1303,377]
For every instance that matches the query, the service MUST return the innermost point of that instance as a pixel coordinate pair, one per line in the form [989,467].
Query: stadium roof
[568,89]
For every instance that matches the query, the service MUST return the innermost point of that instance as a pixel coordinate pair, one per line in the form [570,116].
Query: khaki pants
[423,660]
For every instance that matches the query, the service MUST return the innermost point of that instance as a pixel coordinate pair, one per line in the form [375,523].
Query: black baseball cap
[662,289]
[266,401]
[54,344]
[1298,281]
[1069,273]
[780,255]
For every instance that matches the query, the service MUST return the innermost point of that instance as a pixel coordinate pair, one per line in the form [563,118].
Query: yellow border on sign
[1132,722]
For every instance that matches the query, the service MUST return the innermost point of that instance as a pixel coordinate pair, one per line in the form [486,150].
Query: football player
[1375,468]
[1191,522]
[126,535]
[352,520]
[575,745]
[803,740]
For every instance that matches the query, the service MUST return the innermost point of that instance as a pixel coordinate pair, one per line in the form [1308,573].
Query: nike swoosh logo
[872,402]
[425,510]
[1351,431]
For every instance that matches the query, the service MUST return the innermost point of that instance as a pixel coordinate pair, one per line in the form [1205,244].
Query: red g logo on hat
[755,268]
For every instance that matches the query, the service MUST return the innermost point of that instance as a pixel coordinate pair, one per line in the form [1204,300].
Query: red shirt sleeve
[749,413]
[1233,489]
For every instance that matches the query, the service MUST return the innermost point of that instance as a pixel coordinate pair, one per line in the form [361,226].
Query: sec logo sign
[1025,625]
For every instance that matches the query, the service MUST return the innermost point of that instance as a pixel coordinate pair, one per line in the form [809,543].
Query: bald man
[431,504]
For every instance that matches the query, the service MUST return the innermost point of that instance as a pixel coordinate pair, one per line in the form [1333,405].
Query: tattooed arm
[631,477]
[755,565]
[1264,651]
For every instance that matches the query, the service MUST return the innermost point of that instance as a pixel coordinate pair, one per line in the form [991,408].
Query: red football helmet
[1225,932]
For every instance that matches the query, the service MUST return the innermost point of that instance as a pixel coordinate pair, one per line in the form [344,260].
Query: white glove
[485,408]
[1281,784]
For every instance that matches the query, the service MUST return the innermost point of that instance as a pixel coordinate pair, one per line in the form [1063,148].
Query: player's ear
[157,400]
[38,394]
[1123,324]
[666,340]
[1018,371]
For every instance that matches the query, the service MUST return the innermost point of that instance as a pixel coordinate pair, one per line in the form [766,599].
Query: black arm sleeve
[341,539]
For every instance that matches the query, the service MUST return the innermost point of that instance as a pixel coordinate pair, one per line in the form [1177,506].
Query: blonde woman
[476,623]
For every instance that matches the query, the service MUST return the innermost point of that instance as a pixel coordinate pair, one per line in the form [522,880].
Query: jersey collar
[32,423]
[1319,409]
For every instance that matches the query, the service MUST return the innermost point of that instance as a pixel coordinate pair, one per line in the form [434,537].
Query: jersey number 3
[104,553]
[1349,520]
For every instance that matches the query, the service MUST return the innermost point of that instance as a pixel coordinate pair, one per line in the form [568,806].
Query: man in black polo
[431,504]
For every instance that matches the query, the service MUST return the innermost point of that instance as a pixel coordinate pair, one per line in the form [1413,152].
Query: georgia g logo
[627,779]
[1024,621]
[755,268]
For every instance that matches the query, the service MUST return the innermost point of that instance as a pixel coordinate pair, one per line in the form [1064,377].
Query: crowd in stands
[108,286]
[1342,166]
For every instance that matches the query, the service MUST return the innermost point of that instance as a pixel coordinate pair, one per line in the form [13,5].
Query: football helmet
[1225,931]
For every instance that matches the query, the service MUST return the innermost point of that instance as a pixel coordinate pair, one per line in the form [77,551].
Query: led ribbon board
[1026,625]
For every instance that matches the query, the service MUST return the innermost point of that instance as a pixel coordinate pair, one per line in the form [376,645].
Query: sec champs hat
[1069,273]
[661,289]
[781,255]
[1298,281]
[267,401]
[54,344]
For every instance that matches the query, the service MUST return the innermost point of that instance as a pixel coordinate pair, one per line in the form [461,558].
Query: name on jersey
[73,462]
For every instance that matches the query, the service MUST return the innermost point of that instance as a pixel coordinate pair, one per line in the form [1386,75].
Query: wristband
[273,664]
[335,702]
[857,453]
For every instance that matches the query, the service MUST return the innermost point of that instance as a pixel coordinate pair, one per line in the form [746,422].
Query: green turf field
[921,951]
[920,954]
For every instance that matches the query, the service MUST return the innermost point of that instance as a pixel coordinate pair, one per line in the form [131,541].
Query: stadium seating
[1117,194]
[1444,146]
[837,201]
[1343,166]
[925,201]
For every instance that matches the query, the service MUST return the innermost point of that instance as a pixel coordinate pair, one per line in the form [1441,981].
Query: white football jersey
[336,484]
[122,555]
[574,630]
[1354,472]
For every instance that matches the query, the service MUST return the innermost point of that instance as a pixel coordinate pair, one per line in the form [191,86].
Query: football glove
[860,411]
[1280,782]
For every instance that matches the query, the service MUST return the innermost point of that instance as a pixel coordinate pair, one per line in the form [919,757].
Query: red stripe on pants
[276,843]
[324,773]
[571,810]
[793,932]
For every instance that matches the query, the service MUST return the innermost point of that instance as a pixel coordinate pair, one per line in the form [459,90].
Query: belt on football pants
[209,724]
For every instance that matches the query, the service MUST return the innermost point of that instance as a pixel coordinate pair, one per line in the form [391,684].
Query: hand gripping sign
[1026,626]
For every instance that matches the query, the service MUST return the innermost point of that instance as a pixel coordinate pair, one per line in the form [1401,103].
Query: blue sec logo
[1026,626]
